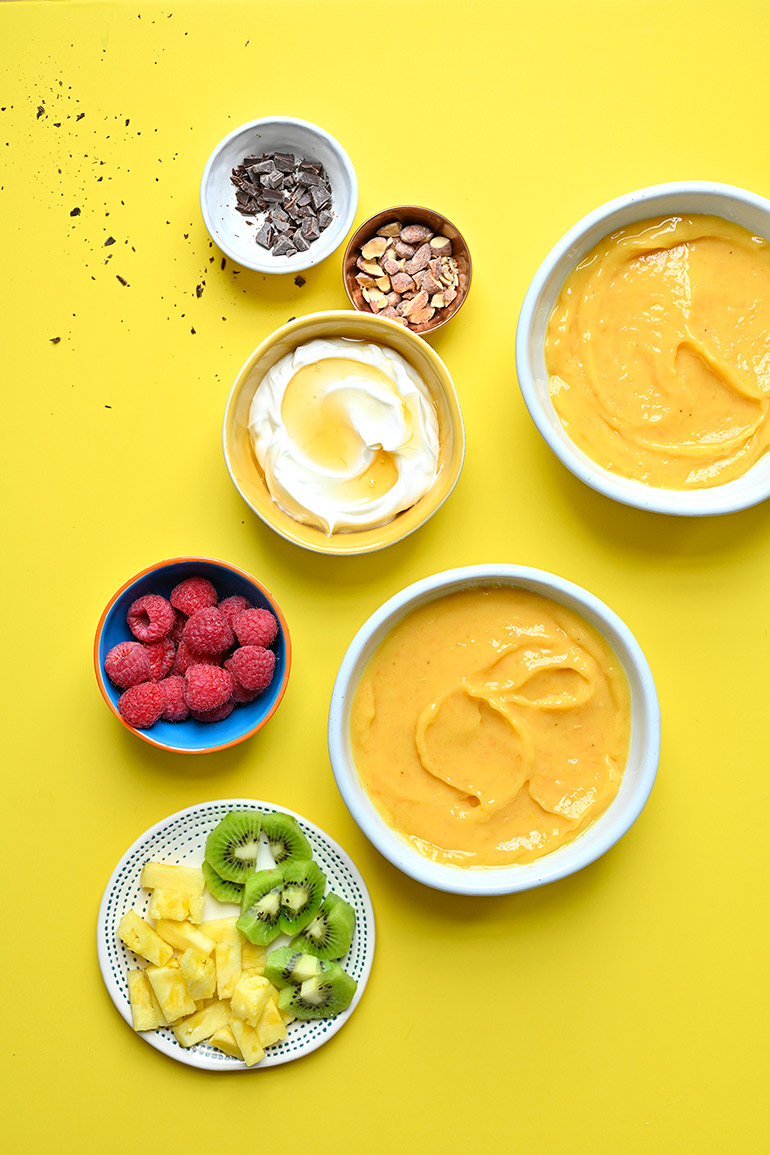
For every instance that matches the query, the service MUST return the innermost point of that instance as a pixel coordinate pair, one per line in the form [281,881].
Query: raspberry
[240,694]
[176,630]
[186,658]
[127,664]
[193,594]
[142,705]
[233,606]
[207,632]
[253,666]
[214,715]
[150,618]
[207,687]
[175,708]
[255,627]
[161,655]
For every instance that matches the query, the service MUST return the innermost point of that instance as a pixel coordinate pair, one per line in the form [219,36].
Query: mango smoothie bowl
[643,349]
[493,728]
[343,432]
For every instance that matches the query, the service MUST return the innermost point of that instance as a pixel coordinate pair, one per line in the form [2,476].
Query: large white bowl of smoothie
[494,728]
[643,349]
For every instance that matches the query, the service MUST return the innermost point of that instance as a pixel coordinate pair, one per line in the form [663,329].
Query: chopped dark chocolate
[324,219]
[310,229]
[320,196]
[285,161]
[300,244]
[284,248]
[284,192]
[272,195]
[265,236]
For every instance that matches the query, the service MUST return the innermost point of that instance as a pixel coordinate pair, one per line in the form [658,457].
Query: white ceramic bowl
[735,204]
[608,827]
[227,228]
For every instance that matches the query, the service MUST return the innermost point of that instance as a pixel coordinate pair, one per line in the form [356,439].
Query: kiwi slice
[220,888]
[285,838]
[232,846]
[319,997]
[261,907]
[303,890]
[330,932]
[286,967]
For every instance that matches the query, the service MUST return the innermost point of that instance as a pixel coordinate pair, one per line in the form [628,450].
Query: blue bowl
[193,737]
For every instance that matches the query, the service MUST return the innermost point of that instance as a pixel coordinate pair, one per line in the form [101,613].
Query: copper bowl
[409,215]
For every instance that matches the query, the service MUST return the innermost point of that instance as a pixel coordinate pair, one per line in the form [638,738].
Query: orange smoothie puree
[491,727]
[658,352]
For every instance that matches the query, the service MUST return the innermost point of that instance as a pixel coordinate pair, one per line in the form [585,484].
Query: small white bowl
[637,780]
[734,204]
[228,228]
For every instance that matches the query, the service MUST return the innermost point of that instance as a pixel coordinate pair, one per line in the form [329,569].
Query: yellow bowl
[241,461]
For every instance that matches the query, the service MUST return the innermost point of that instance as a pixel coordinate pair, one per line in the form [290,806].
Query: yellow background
[621,1010]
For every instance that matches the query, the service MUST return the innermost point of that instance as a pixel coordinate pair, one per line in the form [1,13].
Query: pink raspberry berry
[175,632]
[186,658]
[207,687]
[127,664]
[253,666]
[240,694]
[161,655]
[142,705]
[207,632]
[255,627]
[214,715]
[193,594]
[175,708]
[233,606]
[150,618]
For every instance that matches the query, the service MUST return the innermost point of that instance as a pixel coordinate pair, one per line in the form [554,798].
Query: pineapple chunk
[164,876]
[142,939]
[202,1024]
[175,905]
[250,994]
[227,956]
[270,1026]
[253,957]
[224,1040]
[182,935]
[145,1009]
[200,974]
[170,990]
[248,1042]
[221,929]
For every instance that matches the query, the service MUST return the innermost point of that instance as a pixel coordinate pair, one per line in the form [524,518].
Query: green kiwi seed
[329,933]
[233,844]
[303,890]
[285,838]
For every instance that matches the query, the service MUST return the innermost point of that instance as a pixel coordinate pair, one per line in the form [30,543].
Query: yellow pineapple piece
[181,935]
[222,929]
[200,974]
[164,876]
[250,994]
[142,939]
[169,986]
[270,1026]
[224,1040]
[170,904]
[227,956]
[253,957]
[202,1024]
[145,1009]
[248,1042]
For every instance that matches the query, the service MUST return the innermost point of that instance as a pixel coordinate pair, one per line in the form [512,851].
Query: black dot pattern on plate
[181,840]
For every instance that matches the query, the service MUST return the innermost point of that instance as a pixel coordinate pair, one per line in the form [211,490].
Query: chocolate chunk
[265,236]
[278,214]
[324,219]
[320,196]
[275,179]
[308,178]
[304,199]
[285,161]
[259,167]
[284,248]
[281,226]
[272,195]
[300,243]
[310,229]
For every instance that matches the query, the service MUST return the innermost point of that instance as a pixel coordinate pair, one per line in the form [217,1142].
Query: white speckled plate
[181,839]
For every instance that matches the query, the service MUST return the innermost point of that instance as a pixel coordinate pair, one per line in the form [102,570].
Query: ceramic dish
[270,134]
[734,204]
[239,453]
[181,839]
[191,737]
[607,828]
[409,215]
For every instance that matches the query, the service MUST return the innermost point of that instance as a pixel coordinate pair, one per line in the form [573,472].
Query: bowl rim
[262,264]
[430,327]
[731,496]
[447,385]
[559,863]
[193,559]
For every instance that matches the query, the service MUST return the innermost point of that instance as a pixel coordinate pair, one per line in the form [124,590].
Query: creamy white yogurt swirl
[388,415]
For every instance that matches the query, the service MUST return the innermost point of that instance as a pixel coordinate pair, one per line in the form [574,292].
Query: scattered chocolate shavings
[80,116]
[122,280]
[224,263]
[54,340]
[198,293]
[75,212]
[109,241]
[40,112]
[299,282]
